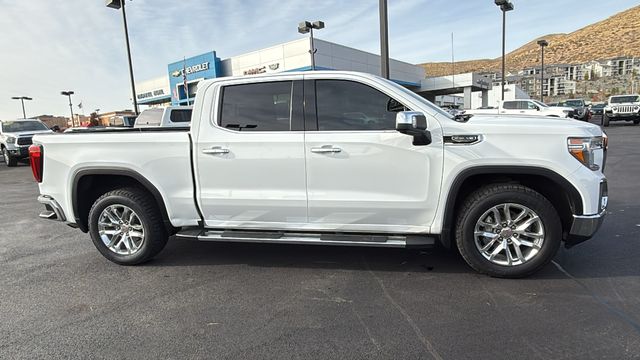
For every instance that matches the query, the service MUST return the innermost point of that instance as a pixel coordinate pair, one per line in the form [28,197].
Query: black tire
[605,120]
[9,160]
[636,122]
[479,202]
[143,204]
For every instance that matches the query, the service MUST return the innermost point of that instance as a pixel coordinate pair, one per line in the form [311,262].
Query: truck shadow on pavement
[196,253]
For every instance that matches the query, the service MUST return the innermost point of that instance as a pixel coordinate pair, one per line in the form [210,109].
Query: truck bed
[161,156]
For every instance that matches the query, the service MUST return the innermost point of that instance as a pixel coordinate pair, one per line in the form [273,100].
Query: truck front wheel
[605,120]
[508,231]
[126,226]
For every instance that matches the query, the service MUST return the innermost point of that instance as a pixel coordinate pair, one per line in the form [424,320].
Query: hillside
[618,35]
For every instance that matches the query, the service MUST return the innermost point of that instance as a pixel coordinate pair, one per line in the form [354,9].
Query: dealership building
[169,89]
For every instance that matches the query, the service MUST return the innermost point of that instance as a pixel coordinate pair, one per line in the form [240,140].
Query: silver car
[15,138]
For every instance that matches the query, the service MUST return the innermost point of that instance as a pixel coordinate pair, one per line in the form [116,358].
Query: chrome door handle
[326,149]
[215,150]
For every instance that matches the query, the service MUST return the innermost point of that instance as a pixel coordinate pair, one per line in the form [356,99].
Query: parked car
[525,107]
[580,108]
[277,158]
[170,116]
[622,108]
[597,109]
[15,138]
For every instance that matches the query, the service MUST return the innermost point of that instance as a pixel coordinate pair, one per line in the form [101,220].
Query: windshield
[18,126]
[540,103]
[572,103]
[624,99]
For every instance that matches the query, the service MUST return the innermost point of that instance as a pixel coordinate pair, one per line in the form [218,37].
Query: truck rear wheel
[126,226]
[508,231]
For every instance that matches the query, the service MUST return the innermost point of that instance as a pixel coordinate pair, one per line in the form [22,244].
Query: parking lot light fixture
[543,43]
[22,99]
[505,5]
[68,94]
[119,4]
[307,27]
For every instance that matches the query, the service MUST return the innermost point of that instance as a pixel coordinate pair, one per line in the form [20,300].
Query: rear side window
[348,105]
[511,105]
[180,115]
[257,107]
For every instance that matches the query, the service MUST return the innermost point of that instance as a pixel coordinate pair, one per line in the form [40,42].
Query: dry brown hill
[618,35]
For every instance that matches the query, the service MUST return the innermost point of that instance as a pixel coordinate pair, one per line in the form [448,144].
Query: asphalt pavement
[59,298]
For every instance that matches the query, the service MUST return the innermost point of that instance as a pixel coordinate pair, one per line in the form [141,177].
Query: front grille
[625,108]
[24,141]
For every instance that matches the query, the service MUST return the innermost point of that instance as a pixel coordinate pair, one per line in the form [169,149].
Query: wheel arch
[559,191]
[94,182]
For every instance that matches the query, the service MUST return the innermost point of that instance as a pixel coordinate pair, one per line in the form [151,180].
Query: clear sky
[48,46]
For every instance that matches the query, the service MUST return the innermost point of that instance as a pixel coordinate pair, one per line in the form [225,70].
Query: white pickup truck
[525,107]
[337,158]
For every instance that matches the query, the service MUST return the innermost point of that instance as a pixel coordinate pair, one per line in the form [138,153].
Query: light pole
[384,39]
[543,43]
[119,4]
[68,94]
[22,99]
[505,5]
[307,27]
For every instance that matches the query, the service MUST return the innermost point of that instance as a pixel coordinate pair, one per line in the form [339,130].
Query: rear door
[249,157]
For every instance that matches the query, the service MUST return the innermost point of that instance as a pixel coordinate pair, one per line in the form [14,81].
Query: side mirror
[414,123]
[537,107]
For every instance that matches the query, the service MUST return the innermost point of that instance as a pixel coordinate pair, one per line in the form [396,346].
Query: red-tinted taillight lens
[36,160]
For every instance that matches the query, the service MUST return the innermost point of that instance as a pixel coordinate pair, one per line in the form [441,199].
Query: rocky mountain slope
[618,35]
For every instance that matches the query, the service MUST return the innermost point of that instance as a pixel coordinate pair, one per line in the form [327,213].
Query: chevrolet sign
[192,69]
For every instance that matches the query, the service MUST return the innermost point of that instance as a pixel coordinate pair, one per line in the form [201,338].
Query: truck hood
[526,125]
[27,133]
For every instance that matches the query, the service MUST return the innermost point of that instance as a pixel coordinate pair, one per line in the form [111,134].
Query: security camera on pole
[307,27]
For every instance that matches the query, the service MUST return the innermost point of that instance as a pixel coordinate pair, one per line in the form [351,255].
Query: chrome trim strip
[55,208]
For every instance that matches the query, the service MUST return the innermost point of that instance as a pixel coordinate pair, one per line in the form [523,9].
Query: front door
[250,161]
[363,175]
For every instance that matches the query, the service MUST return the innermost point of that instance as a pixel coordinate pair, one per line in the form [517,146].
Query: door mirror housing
[414,123]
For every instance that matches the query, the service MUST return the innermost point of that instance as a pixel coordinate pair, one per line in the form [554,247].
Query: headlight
[615,108]
[566,111]
[11,140]
[583,148]
[636,108]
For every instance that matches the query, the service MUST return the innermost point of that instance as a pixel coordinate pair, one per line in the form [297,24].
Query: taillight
[36,160]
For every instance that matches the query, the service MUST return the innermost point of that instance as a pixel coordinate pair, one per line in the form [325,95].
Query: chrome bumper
[53,211]
[586,225]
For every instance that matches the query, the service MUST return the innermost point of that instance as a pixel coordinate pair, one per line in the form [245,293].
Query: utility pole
[384,39]
[22,99]
[119,4]
[543,43]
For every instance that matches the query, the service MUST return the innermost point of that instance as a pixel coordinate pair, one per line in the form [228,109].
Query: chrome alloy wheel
[120,229]
[509,234]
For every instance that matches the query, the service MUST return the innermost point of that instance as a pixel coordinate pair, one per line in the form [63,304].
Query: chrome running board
[281,237]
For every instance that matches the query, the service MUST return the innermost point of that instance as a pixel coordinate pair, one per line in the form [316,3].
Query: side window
[180,115]
[348,105]
[531,105]
[510,105]
[257,107]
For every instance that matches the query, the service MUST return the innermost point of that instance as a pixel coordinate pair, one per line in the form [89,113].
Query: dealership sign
[262,69]
[192,69]
[150,94]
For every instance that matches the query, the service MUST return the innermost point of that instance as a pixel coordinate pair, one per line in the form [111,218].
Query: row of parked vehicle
[617,108]
[16,135]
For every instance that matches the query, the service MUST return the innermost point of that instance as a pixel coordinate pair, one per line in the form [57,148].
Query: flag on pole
[184,79]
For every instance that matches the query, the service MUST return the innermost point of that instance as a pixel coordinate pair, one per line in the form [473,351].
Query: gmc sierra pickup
[337,158]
